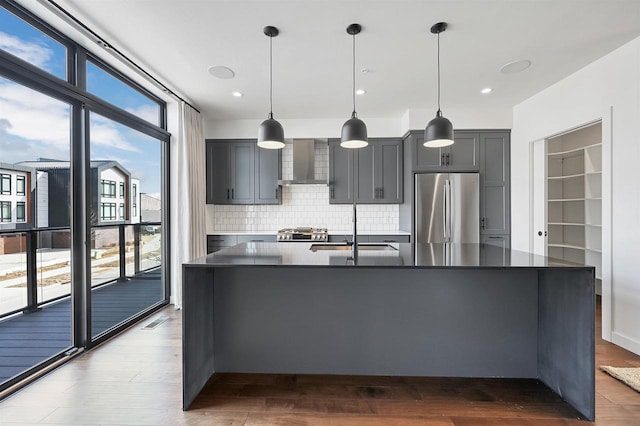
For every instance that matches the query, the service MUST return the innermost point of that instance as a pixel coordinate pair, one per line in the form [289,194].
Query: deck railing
[35,264]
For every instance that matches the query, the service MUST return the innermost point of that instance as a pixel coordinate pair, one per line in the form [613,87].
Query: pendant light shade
[354,134]
[439,131]
[354,131]
[270,132]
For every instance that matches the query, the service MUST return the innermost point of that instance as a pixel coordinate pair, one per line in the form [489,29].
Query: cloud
[146,112]
[30,115]
[34,116]
[33,53]
[105,133]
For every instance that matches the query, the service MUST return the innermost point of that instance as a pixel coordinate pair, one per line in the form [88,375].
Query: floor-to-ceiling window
[82,183]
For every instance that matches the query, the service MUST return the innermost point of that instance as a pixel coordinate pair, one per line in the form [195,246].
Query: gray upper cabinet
[340,173]
[218,187]
[463,155]
[267,172]
[370,175]
[242,182]
[494,183]
[240,173]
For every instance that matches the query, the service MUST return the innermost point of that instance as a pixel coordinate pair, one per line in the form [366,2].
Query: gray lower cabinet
[218,242]
[463,155]
[501,241]
[494,184]
[370,175]
[238,172]
[392,238]
[364,238]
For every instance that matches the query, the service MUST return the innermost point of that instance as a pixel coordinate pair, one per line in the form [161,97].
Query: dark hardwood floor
[136,379]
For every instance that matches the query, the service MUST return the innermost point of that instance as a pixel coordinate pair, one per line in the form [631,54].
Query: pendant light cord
[270,77]
[438,72]
[353,92]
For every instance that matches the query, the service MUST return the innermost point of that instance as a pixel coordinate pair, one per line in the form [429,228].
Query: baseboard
[626,342]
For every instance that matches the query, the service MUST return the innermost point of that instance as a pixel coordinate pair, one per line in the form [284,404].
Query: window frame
[112,212]
[81,103]
[22,179]
[110,185]
[4,178]
[24,211]
[5,206]
[48,30]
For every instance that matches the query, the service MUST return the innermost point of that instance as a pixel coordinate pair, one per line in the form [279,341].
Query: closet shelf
[578,175]
[571,246]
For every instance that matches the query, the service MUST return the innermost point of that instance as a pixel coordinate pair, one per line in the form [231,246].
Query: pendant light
[270,132]
[439,131]
[354,131]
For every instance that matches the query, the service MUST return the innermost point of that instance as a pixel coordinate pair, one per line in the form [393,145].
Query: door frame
[606,120]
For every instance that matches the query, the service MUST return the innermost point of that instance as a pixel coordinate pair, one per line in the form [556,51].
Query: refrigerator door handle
[449,213]
[444,211]
[449,208]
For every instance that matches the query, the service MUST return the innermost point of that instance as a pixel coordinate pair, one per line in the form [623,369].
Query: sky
[33,125]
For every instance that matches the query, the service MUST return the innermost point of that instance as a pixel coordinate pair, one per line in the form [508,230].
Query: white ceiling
[178,40]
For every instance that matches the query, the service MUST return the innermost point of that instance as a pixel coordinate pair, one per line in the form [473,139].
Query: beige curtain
[188,174]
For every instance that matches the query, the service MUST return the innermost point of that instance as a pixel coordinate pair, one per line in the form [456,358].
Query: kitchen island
[448,310]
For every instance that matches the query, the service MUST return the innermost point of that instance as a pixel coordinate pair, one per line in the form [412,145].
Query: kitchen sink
[367,247]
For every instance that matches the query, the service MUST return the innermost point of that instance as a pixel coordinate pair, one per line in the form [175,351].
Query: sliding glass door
[125,194]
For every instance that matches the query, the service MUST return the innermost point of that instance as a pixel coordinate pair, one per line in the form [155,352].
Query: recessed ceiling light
[220,71]
[360,92]
[237,94]
[365,70]
[515,66]
[486,90]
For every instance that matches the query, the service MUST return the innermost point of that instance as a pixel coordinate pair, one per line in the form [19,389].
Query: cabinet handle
[495,238]
[442,163]
[233,195]
[483,223]
[227,193]
[448,159]
[389,241]
[332,193]
[276,193]
[381,193]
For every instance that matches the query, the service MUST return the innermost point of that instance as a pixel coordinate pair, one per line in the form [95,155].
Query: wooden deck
[29,339]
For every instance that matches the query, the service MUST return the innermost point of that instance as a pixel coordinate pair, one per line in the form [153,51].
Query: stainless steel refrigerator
[447,208]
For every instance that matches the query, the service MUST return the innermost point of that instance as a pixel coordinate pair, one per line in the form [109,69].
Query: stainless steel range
[301,234]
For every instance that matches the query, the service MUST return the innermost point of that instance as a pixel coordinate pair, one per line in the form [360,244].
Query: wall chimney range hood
[303,164]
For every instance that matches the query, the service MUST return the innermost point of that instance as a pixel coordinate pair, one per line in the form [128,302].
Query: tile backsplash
[302,205]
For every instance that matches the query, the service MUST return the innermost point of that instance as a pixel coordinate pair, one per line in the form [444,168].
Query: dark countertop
[452,255]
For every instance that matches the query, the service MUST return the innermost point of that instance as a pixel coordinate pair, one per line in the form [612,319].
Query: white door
[538,202]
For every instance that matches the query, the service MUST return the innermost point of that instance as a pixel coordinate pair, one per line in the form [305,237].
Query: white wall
[608,89]
[462,118]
